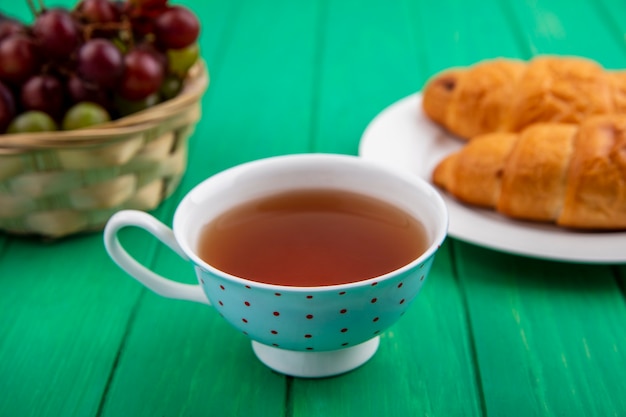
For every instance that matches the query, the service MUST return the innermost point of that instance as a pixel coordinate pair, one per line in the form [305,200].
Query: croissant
[571,175]
[506,95]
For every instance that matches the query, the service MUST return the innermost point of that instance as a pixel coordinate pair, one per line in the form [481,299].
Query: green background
[491,334]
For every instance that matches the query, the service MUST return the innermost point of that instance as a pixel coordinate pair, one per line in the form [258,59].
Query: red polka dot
[308,336]
[277,294]
[400,285]
[247,286]
[343,311]
[376,319]
[374,284]
[342,293]
[344,330]
[222,287]
[309,296]
[402,301]
[276,313]
[374,300]
[309,316]
[220,303]
[244,320]
[274,332]
[246,303]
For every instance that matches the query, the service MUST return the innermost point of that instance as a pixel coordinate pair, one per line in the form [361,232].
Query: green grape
[126,107]
[84,114]
[180,60]
[32,121]
[171,87]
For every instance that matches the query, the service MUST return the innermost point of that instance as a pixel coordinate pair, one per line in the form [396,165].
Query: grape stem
[33,8]
[123,28]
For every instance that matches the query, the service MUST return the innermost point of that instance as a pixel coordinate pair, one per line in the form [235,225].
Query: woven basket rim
[195,85]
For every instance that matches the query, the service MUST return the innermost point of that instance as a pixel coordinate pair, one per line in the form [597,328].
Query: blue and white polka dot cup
[298,331]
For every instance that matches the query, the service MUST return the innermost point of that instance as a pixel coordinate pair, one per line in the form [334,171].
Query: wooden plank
[424,365]
[63,318]
[67,307]
[372,57]
[532,363]
[549,336]
[260,97]
[555,27]
[258,105]
[452,33]
[367,60]
[181,358]
[533,354]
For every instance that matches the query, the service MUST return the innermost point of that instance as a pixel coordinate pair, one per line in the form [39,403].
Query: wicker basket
[60,183]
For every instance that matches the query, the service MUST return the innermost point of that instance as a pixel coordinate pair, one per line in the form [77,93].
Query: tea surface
[312,238]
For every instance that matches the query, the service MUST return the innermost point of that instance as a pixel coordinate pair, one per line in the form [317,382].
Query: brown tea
[312,238]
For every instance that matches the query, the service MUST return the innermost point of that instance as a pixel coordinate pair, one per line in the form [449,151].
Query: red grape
[100,61]
[18,59]
[44,93]
[149,4]
[98,11]
[158,55]
[176,28]
[81,90]
[9,27]
[57,32]
[80,66]
[142,76]
[142,20]
[7,107]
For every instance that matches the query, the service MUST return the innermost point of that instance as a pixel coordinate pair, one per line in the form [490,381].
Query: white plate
[402,136]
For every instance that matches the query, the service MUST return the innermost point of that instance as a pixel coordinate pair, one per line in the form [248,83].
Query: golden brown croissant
[505,95]
[572,175]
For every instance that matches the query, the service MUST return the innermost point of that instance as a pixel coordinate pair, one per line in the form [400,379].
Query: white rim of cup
[438,239]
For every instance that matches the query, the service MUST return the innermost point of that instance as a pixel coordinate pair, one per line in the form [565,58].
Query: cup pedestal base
[315,364]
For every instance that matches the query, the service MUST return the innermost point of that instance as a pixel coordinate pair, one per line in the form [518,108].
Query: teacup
[313,331]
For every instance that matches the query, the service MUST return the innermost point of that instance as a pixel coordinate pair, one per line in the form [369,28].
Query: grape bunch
[99,61]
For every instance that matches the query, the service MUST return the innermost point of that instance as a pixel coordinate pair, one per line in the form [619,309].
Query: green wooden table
[492,334]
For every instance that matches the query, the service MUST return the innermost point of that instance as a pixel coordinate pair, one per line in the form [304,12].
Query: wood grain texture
[548,316]
[63,319]
[549,336]
[373,69]
[424,365]
[360,71]
[195,363]
[491,334]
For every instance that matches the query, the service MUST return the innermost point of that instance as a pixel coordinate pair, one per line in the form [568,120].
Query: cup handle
[155,282]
